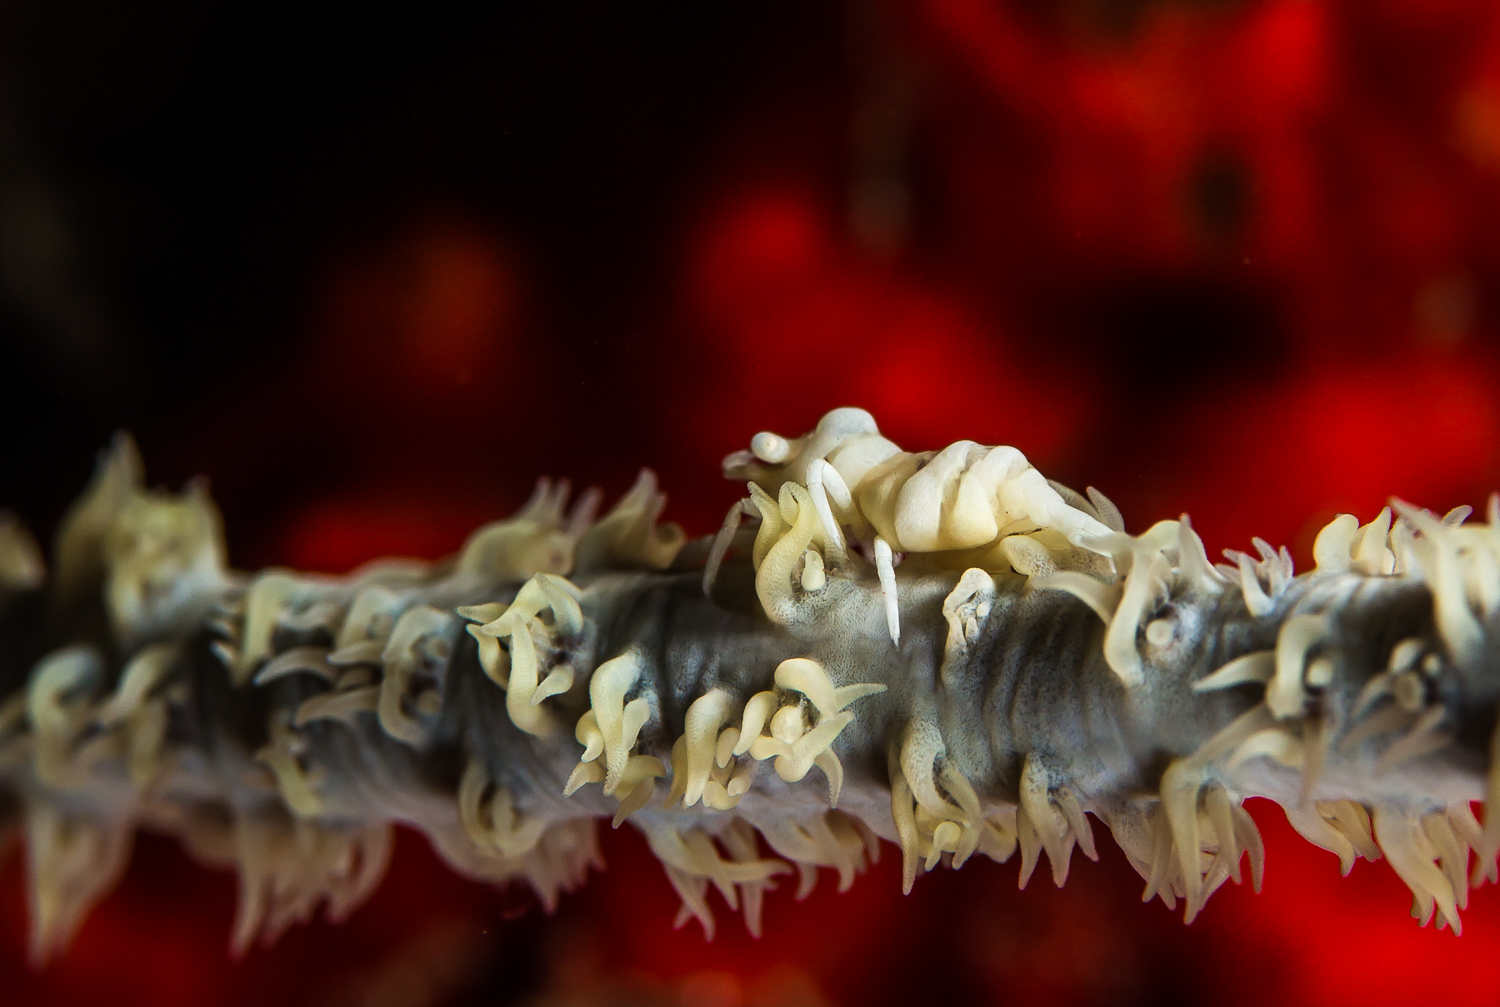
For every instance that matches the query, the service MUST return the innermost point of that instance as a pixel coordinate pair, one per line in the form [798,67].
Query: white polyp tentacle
[1299,635]
[263,603]
[1072,810]
[1049,824]
[965,609]
[1489,840]
[619,723]
[536,539]
[372,615]
[724,747]
[1398,835]
[1276,566]
[1425,736]
[144,673]
[297,660]
[1482,581]
[1444,571]
[562,597]
[806,676]
[1104,599]
[1180,787]
[772,525]
[903,814]
[1312,826]
[494,825]
[281,755]
[583,774]
[1258,666]
[1273,742]
[56,707]
[828,761]
[758,711]
[628,536]
[638,782]
[1256,600]
[1452,854]
[1369,549]
[705,716]
[341,705]
[1220,813]
[773,577]
[1143,585]
[1109,514]
[1333,549]
[418,638]
[1352,820]
[958,787]
[885,568]
[692,861]
[794,765]
[722,541]
[1192,559]
[921,747]
[493,659]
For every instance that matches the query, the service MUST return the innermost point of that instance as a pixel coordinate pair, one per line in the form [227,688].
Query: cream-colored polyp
[519,626]
[795,744]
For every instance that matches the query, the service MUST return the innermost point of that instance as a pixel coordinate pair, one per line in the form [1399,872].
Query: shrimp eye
[769,448]
[1159,632]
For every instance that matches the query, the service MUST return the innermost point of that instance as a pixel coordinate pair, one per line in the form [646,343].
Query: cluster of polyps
[530,643]
[368,648]
[494,824]
[776,724]
[795,725]
[1198,832]
[967,505]
[610,728]
[84,742]
[692,862]
[1397,714]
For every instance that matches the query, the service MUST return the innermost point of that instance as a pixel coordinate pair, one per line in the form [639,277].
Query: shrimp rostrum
[1028,670]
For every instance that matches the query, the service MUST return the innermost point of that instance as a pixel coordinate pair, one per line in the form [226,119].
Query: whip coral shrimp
[965,506]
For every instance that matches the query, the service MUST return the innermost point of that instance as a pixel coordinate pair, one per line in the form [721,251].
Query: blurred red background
[373,275]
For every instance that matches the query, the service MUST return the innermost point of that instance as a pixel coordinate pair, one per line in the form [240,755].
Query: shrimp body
[954,506]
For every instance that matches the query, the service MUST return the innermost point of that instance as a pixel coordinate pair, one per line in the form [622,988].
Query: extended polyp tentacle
[723,540]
